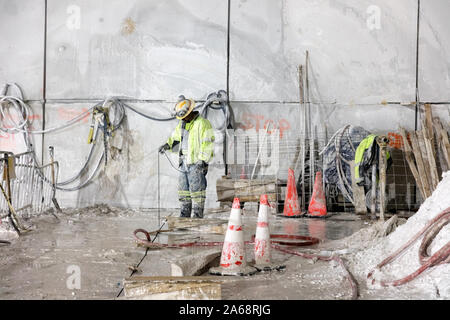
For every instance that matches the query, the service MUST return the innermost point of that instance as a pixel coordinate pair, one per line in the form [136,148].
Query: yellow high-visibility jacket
[362,159]
[201,140]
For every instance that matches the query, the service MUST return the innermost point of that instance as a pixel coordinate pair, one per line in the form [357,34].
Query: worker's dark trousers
[192,190]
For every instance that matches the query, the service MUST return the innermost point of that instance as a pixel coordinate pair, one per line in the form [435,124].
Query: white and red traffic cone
[263,258]
[232,260]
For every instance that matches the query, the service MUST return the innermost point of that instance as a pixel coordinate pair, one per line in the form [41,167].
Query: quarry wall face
[67,55]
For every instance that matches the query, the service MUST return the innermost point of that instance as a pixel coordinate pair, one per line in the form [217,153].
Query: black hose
[145,254]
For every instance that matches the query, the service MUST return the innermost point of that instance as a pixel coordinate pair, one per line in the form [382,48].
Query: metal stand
[159,194]
[52,163]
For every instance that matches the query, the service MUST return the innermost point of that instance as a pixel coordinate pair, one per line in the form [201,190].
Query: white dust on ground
[365,250]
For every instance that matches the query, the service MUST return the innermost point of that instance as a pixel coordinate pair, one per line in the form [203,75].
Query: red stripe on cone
[262,224]
[264,199]
[236,203]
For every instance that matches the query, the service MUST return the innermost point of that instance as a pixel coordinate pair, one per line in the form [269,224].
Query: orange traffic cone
[262,239]
[232,260]
[291,206]
[317,205]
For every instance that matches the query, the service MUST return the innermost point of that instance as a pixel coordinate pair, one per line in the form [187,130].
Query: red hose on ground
[441,256]
[306,242]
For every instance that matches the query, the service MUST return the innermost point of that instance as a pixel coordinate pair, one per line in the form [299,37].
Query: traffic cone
[291,206]
[318,205]
[232,260]
[262,239]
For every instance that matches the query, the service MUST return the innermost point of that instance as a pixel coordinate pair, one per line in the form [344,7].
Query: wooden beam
[246,190]
[443,139]
[409,158]
[430,156]
[426,163]
[173,288]
[420,165]
[428,123]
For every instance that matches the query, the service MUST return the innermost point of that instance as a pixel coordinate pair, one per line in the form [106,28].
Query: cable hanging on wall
[108,116]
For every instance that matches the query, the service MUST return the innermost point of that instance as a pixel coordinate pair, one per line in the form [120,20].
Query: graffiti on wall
[259,121]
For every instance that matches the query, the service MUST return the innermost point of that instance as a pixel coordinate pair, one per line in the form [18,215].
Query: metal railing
[28,188]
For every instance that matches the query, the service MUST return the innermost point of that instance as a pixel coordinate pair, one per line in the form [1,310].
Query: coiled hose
[117,110]
[430,231]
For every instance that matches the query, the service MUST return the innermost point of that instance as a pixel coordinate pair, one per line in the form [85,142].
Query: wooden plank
[444,141]
[430,146]
[431,159]
[428,123]
[423,151]
[420,165]
[409,158]
[173,288]
[246,190]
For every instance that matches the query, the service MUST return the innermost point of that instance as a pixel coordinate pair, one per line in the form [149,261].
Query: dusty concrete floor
[100,243]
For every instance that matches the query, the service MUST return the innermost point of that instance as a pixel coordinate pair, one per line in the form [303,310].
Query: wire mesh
[258,156]
[30,186]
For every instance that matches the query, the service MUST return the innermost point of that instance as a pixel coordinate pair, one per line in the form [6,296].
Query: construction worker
[194,138]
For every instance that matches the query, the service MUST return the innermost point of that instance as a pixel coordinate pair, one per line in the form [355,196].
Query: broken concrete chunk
[196,264]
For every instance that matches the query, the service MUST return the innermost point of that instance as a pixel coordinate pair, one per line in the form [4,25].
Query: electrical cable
[146,251]
[117,109]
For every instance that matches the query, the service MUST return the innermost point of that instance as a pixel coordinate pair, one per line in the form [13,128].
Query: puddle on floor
[101,245]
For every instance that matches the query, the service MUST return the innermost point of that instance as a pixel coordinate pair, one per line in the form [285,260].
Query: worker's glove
[202,165]
[164,147]
[360,182]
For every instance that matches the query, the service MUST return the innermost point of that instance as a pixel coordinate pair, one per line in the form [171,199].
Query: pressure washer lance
[171,163]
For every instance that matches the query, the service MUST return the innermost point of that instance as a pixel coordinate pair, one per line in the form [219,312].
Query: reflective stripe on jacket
[201,140]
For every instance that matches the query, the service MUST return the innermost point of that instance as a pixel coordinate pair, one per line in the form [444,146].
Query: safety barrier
[29,188]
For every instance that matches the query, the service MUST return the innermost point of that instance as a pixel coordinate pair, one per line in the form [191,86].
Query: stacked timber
[246,190]
[427,152]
